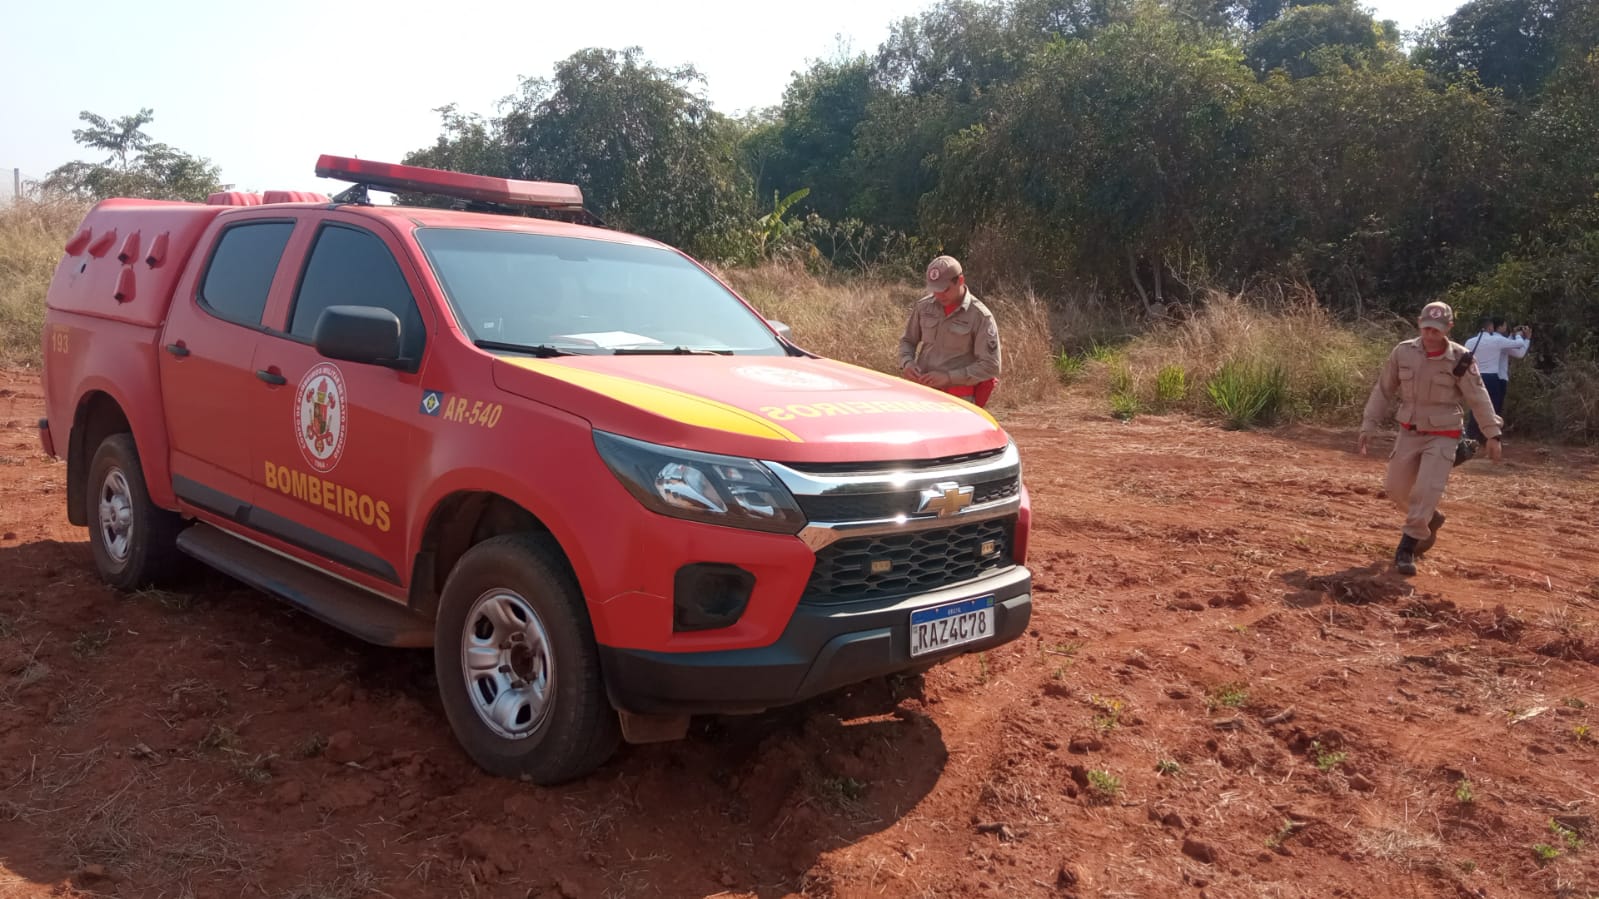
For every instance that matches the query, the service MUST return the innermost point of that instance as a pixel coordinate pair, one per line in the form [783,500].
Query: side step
[354,611]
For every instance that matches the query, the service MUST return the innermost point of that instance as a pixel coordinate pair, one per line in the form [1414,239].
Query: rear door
[207,367]
[333,457]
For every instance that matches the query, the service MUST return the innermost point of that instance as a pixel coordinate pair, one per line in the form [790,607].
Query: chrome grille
[901,564]
[876,506]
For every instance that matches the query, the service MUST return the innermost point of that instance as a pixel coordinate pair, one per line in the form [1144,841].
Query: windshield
[587,296]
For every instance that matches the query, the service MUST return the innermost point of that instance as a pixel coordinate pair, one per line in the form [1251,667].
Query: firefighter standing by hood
[1430,376]
[951,341]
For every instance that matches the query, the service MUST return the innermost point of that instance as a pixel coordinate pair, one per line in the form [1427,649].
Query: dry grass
[1562,403]
[860,319]
[107,834]
[352,878]
[162,837]
[1324,368]
[31,237]
[1403,843]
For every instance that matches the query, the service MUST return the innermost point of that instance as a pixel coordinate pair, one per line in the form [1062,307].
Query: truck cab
[572,462]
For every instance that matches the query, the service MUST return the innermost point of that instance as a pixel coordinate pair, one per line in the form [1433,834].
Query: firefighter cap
[942,272]
[1437,316]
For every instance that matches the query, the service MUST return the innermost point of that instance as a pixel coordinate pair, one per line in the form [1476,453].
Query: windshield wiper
[542,350]
[668,351]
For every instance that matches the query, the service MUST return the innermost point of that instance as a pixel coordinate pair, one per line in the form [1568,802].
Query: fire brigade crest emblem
[321,416]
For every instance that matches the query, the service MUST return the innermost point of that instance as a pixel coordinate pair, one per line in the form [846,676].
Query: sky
[262,89]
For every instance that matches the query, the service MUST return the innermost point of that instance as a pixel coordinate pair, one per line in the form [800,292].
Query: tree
[1260,12]
[1109,158]
[468,143]
[1369,183]
[934,76]
[1036,22]
[1511,45]
[811,142]
[137,165]
[648,152]
[1557,145]
[1311,38]
[958,47]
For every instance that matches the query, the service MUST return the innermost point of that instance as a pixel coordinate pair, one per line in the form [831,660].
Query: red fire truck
[602,489]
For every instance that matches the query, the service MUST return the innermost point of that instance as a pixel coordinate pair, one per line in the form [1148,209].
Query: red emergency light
[480,188]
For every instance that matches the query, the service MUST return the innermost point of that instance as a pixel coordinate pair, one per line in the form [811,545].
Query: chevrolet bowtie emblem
[945,498]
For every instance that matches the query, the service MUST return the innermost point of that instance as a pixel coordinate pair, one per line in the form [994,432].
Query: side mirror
[783,331]
[366,334]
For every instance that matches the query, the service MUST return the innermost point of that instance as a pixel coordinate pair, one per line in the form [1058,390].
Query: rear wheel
[517,667]
[133,541]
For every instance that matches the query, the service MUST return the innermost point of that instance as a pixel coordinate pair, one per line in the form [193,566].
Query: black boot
[1405,556]
[1426,542]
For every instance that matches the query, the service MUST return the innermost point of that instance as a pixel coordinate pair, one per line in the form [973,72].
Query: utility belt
[1410,427]
[1464,449]
[978,393]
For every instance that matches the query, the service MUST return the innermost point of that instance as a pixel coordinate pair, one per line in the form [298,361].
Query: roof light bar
[481,188]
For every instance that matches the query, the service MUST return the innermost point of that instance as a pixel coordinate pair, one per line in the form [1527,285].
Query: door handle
[271,377]
[178,349]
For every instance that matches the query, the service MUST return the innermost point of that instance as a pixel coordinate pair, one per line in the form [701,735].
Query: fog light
[709,595]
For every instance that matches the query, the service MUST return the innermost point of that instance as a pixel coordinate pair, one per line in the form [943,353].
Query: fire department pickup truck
[601,487]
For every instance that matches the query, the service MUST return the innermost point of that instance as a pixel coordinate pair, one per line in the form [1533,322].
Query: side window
[353,268]
[239,276]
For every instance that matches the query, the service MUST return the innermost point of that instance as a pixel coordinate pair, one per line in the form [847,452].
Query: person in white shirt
[1493,349]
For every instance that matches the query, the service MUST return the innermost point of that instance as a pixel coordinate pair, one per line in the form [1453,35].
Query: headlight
[724,490]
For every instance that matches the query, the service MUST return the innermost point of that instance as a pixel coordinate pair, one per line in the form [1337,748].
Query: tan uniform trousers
[1418,471]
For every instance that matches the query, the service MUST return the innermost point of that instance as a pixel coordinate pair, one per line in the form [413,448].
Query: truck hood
[778,408]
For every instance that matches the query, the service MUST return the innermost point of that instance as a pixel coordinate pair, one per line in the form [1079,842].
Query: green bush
[1121,379]
[1069,367]
[1104,353]
[1171,386]
[1249,394]
[1124,405]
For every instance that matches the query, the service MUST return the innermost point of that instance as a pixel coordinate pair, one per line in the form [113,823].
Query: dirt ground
[1226,692]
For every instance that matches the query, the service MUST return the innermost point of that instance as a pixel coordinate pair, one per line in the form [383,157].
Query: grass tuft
[1249,394]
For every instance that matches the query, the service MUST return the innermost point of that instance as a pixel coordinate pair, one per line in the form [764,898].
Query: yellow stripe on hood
[944,396]
[675,404]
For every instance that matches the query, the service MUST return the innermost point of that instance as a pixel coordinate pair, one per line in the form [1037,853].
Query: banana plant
[771,227]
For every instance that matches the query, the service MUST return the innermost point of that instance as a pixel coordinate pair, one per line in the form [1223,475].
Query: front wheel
[134,542]
[518,671]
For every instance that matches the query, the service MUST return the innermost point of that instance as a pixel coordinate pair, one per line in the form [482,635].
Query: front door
[207,365]
[331,468]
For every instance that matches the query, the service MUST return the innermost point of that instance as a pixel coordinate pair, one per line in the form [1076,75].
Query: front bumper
[822,648]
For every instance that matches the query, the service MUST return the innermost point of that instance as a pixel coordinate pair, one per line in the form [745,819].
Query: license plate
[951,624]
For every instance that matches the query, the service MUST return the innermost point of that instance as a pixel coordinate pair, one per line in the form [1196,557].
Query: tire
[134,542]
[511,604]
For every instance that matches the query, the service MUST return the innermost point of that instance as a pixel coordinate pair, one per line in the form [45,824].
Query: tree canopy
[136,165]
[1140,148]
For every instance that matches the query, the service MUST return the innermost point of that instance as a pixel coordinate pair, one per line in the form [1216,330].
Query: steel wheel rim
[116,515]
[507,663]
